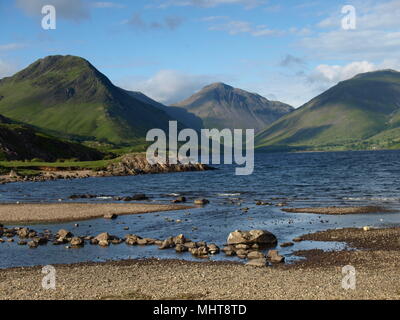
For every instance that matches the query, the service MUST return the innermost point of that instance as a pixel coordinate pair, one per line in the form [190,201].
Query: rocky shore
[127,165]
[318,277]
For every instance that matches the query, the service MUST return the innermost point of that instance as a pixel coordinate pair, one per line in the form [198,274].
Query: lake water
[301,179]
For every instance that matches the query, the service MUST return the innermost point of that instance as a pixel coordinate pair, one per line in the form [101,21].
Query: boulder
[261,237]
[201,202]
[131,239]
[180,248]
[255,255]
[229,251]
[201,252]
[242,254]
[180,239]
[64,234]
[287,244]
[23,233]
[213,248]
[33,244]
[167,243]
[275,257]
[110,216]
[103,237]
[139,197]
[260,263]
[104,243]
[179,200]
[76,242]
[141,242]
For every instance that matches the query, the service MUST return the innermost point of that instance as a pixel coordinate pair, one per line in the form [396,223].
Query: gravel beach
[67,212]
[317,277]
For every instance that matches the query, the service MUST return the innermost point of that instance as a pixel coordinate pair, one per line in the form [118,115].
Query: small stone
[110,216]
[33,244]
[287,244]
[76,242]
[255,255]
[275,257]
[201,202]
[104,243]
[181,248]
[141,242]
[261,262]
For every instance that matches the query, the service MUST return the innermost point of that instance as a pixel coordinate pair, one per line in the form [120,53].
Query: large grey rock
[261,237]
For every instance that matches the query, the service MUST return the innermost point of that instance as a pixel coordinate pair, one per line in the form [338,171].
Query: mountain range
[222,106]
[62,98]
[359,113]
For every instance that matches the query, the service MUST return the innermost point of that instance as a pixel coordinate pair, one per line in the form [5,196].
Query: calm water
[307,179]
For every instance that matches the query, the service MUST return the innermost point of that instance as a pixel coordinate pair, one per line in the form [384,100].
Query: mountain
[20,142]
[360,113]
[187,119]
[67,96]
[222,106]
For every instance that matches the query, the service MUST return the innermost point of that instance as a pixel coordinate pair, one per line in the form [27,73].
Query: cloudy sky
[286,50]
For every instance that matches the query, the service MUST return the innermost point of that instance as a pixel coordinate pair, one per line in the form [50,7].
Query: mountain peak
[218,86]
[378,74]
[223,106]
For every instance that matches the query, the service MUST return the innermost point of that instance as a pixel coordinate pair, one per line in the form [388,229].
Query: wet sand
[318,277]
[337,210]
[68,212]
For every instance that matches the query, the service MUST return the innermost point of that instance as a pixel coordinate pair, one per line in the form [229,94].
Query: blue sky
[285,50]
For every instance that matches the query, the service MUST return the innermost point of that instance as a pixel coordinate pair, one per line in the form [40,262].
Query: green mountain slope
[187,119]
[66,95]
[222,106]
[20,142]
[347,116]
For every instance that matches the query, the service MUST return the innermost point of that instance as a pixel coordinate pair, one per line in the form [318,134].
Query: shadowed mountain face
[222,106]
[20,142]
[360,113]
[185,118]
[67,96]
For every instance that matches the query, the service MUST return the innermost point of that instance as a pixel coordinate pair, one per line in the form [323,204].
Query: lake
[298,179]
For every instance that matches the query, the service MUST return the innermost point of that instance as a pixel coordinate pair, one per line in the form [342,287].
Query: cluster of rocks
[249,245]
[134,164]
[130,164]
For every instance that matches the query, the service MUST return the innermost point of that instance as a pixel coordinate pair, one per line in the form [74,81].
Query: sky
[288,50]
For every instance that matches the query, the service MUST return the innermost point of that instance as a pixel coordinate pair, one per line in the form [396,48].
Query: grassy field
[30,168]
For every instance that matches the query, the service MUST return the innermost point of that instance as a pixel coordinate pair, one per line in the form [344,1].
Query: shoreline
[338,210]
[29,213]
[318,277]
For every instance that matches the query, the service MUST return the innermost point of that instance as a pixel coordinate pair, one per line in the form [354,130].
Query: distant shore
[318,277]
[69,212]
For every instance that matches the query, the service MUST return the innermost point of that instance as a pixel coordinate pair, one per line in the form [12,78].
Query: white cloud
[11,46]
[209,3]
[168,86]
[6,69]
[376,36]
[107,5]
[332,74]
[75,10]
[234,27]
